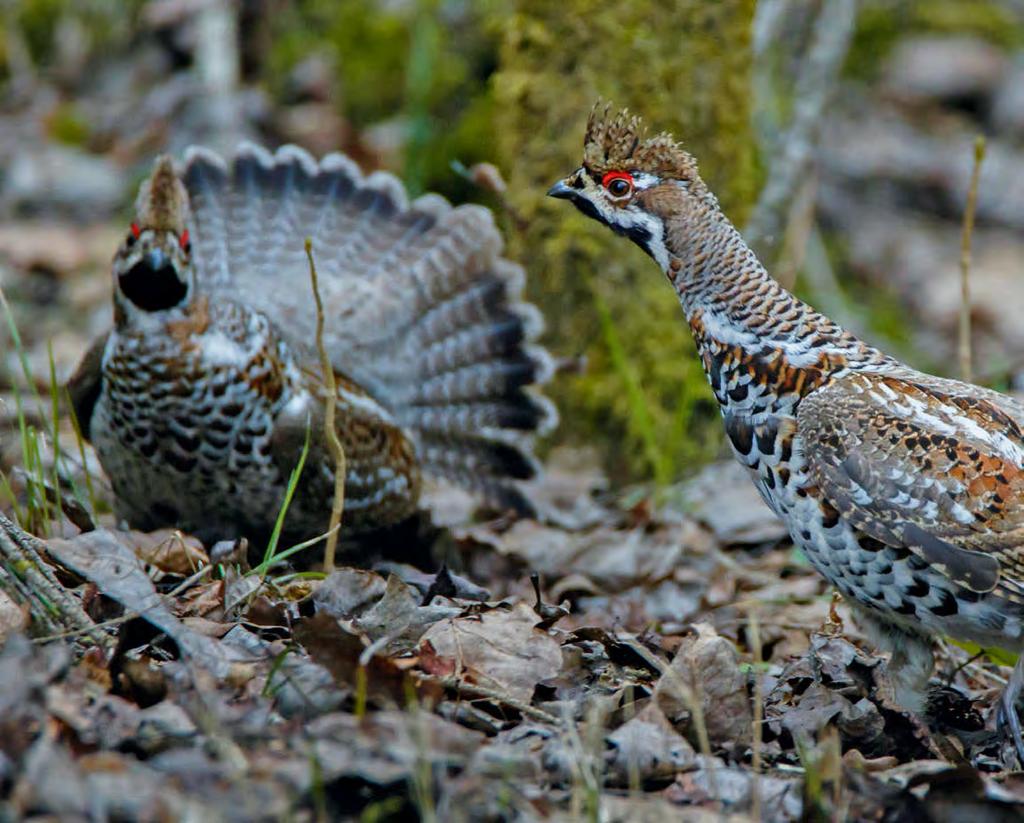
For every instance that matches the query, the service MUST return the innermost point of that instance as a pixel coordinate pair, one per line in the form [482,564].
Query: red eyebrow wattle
[615,175]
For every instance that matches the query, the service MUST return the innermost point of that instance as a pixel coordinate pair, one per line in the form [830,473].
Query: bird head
[152,268]
[644,187]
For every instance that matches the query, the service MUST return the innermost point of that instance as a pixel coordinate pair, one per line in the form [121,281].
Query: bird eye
[618,183]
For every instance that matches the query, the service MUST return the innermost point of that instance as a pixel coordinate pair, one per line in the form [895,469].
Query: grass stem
[964,343]
[330,431]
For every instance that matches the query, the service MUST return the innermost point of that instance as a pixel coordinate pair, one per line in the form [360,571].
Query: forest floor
[681,659]
[678,656]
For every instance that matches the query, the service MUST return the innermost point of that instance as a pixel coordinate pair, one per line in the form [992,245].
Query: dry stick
[330,433]
[757,732]
[833,30]
[691,694]
[964,347]
[49,602]
[473,691]
[130,615]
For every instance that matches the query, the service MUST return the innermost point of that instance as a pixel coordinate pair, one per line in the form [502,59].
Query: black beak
[156,259]
[562,191]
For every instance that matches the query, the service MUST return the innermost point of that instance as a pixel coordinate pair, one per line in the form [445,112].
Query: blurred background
[838,133]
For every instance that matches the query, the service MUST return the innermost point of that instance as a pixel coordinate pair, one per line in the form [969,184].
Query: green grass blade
[639,408]
[269,555]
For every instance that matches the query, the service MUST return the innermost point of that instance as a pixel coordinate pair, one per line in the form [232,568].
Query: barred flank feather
[422,311]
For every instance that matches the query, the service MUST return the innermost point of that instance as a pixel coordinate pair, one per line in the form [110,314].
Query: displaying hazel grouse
[905,490]
[199,401]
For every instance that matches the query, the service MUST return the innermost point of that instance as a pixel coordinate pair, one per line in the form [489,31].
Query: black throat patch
[153,289]
[640,235]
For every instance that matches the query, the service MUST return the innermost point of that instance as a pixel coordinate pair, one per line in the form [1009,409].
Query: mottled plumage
[904,489]
[199,400]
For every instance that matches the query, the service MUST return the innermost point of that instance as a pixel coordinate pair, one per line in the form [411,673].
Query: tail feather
[423,312]
[488,467]
[516,414]
[480,342]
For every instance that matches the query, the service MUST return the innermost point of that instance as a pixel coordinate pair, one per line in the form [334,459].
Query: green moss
[685,67]
[420,63]
[66,125]
[105,23]
[881,23]
[36,20]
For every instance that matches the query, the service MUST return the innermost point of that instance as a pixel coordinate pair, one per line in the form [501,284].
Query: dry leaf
[706,670]
[499,649]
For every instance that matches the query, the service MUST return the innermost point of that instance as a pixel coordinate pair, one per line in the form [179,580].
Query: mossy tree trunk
[684,66]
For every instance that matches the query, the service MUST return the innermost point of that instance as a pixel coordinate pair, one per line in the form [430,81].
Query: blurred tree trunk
[685,67]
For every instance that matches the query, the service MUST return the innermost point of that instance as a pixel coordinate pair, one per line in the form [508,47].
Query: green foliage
[881,23]
[424,65]
[685,67]
[66,125]
[271,556]
[44,479]
[36,21]
[1001,657]
[428,67]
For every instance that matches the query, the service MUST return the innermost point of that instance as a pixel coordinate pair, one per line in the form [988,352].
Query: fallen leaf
[706,669]
[499,649]
[102,557]
[346,592]
[739,517]
[647,747]
[169,550]
[13,618]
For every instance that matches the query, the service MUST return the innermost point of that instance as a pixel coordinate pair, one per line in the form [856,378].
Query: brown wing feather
[84,385]
[925,464]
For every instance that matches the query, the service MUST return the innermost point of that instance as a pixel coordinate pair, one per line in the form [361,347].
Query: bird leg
[911,661]
[1007,716]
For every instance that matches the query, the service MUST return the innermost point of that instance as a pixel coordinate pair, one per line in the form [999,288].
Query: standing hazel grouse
[905,490]
[199,401]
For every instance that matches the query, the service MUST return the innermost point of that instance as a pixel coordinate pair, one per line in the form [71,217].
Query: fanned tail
[423,312]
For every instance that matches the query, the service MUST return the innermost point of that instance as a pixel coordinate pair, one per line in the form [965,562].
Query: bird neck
[748,328]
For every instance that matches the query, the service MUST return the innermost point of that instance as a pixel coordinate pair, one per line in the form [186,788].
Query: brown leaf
[498,649]
[347,592]
[339,652]
[706,670]
[169,550]
[13,618]
[648,747]
[739,517]
[432,663]
[102,557]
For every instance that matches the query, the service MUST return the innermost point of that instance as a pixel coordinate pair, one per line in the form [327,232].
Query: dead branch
[330,432]
[964,342]
[31,581]
[831,40]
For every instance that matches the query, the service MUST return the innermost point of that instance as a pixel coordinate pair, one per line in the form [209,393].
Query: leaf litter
[606,660]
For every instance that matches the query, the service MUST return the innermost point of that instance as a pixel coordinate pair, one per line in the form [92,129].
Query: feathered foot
[1007,716]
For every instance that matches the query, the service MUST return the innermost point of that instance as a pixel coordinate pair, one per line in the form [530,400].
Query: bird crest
[618,141]
[162,203]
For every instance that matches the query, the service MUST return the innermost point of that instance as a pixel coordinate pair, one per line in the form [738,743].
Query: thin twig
[831,40]
[964,347]
[473,691]
[692,696]
[330,432]
[755,759]
[35,584]
[130,615]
